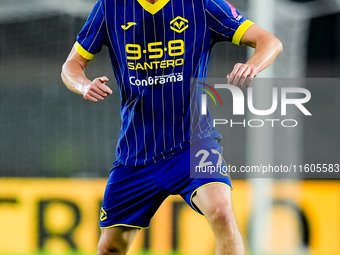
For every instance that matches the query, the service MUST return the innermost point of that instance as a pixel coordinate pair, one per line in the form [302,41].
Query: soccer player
[156,47]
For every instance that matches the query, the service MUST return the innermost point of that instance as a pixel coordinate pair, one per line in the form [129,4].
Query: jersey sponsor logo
[156,80]
[179,24]
[153,52]
[103,214]
[129,24]
[156,64]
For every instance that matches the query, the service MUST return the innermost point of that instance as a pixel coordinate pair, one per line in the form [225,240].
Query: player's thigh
[214,201]
[116,239]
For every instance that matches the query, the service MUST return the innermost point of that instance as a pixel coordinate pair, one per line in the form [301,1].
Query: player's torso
[155,51]
[156,44]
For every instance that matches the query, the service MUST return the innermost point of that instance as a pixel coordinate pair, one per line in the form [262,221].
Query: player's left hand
[242,75]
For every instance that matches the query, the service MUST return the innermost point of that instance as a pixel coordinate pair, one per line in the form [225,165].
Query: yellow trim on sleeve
[240,31]
[153,8]
[84,53]
[194,192]
[124,225]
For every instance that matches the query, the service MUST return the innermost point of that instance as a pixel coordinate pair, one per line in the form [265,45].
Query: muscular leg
[214,201]
[116,241]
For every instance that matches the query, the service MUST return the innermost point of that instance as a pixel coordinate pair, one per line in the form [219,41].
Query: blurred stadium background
[56,149]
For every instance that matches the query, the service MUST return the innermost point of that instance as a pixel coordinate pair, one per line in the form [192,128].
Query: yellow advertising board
[62,214]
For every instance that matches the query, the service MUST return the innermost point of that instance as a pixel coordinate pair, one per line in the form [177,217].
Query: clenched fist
[97,89]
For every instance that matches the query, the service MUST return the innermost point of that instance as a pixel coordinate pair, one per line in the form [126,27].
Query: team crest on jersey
[103,214]
[179,24]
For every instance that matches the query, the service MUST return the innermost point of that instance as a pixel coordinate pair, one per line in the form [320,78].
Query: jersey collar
[153,8]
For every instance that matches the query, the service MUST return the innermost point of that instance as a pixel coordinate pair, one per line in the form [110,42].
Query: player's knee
[222,216]
[110,248]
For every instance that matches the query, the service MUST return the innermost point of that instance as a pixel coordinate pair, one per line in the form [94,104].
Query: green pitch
[79,253]
[141,253]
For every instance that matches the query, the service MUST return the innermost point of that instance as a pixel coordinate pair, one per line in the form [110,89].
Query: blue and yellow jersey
[155,50]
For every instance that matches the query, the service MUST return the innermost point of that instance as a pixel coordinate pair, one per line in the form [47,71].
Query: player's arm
[267,48]
[73,75]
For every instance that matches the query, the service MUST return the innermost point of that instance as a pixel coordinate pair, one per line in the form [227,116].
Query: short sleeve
[225,22]
[92,37]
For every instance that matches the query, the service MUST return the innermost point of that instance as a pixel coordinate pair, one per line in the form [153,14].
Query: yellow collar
[153,8]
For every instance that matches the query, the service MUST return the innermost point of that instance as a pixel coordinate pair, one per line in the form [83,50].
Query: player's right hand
[97,90]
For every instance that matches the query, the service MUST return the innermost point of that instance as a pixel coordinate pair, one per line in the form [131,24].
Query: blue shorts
[133,194]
